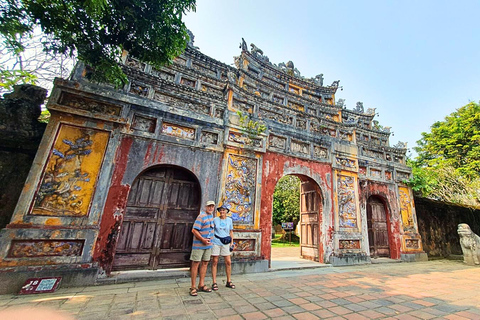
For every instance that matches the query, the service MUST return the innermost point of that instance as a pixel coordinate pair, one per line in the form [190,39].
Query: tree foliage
[448,163]
[98,30]
[454,141]
[286,200]
[32,65]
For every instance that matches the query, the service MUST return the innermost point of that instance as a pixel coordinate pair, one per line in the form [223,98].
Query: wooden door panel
[139,213]
[131,261]
[377,229]
[309,220]
[122,238]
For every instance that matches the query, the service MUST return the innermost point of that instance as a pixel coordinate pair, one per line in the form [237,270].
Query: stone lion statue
[470,244]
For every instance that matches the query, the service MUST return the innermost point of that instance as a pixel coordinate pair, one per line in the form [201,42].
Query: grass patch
[279,242]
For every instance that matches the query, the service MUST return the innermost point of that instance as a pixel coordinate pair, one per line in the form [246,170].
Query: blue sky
[414,61]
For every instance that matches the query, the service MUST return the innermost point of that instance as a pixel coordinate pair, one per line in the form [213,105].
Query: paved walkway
[439,289]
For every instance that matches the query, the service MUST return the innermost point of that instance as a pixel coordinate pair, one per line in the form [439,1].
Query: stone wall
[20,135]
[437,224]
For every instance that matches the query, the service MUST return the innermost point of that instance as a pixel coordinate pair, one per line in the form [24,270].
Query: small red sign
[40,285]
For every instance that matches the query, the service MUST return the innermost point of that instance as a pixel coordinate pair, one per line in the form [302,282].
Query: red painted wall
[115,203]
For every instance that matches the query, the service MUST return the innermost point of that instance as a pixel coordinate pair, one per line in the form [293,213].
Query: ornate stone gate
[192,115]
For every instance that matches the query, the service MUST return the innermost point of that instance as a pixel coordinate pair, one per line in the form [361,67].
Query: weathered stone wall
[438,222]
[20,134]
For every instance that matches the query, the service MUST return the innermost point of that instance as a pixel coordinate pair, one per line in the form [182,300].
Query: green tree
[448,163]
[98,30]
[286,200]
[454,141]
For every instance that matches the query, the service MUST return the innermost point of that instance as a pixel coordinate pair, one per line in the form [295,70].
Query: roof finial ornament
[258,53]
[318,79]
[243,45]
[191,39]
[359,107]
[256,50]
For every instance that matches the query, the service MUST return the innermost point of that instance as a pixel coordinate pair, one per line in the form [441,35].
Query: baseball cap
[210,203]
[223,207]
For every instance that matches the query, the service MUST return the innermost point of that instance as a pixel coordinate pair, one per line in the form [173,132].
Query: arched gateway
[88,206]
[156,229]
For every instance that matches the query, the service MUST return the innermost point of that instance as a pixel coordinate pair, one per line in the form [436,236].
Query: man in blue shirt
[202,248]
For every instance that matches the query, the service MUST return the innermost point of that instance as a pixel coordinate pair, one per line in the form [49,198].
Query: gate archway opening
[156,230]
[307,224]
[377,223]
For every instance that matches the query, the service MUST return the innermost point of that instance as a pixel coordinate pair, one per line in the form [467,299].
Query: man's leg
[193,273]
[203,272]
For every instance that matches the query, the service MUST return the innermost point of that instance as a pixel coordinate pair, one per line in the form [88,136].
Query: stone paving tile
[225,312]
[422,314]
[355,316]
[235,317]
[293,309]
[434,311]
[273,313]
[340,301]
[305,316]
[254,315]
[310,306]
[406,317]
[339,310]
[298,300]
[355,307]
[387,311]
[265,306]
[245,309]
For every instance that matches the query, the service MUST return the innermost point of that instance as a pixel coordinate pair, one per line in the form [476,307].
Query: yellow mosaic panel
[406,209]
[71,172]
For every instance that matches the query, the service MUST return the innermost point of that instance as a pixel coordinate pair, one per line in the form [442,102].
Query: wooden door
[310,208]
[156,230]
[377,228]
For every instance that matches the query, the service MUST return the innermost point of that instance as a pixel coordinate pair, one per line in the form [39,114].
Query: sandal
[230,285]
[193,292]
[204,288]
[214,287]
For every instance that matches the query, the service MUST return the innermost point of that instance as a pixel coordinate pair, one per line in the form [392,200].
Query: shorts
[223,250]
[201,254]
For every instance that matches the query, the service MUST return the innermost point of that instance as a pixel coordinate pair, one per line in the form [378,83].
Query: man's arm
[197,235]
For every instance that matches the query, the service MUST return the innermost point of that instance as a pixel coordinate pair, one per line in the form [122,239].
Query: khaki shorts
[201,254]
[223,250]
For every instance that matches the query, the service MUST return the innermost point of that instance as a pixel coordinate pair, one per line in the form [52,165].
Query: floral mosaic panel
[239,194]
[412,244]
[45,248]
[71,172]
[244,244]
[346,202]
[346,163]
[349,244]
[178,131]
